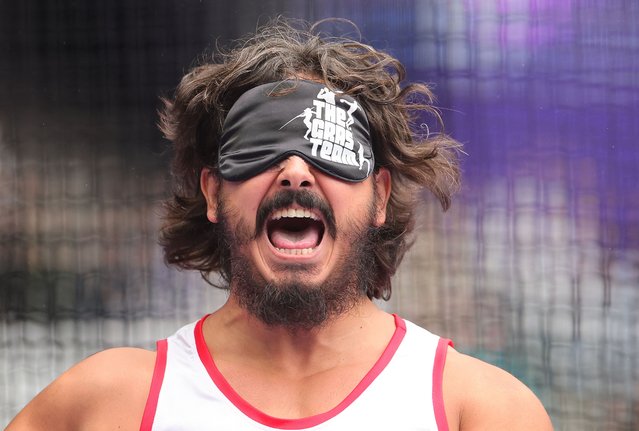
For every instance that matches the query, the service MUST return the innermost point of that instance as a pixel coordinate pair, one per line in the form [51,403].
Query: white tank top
[403,390]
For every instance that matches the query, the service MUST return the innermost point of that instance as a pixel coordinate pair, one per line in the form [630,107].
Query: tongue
[306,238]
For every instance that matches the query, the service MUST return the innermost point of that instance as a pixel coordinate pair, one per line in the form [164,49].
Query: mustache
[303,198]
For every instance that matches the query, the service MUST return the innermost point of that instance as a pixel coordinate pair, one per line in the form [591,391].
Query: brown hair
[193,120]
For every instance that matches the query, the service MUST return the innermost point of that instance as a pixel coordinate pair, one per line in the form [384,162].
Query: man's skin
[283,372]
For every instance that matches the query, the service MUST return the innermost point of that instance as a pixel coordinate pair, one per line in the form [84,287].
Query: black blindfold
[274,121]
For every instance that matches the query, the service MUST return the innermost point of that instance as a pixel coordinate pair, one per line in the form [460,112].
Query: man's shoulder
[107,361]
[109,372]
[479,395]
[113,369]
[108,389]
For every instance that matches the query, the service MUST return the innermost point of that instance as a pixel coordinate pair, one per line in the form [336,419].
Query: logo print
[328,129]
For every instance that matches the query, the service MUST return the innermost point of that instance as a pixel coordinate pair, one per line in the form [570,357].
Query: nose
[295,172]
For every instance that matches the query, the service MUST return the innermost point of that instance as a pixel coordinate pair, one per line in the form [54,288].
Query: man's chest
[296,396]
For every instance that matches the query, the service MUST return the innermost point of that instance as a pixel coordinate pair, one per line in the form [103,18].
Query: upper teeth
[290,212]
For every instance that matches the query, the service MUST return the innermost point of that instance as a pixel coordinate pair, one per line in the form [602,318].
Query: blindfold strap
[273,121]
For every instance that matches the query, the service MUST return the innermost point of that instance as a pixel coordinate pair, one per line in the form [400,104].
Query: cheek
[245,197]
[352,202]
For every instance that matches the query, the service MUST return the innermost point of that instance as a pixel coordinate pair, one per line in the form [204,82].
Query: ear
[382,179]
[210,185]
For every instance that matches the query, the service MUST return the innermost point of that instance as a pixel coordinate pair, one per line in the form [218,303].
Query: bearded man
[297,163]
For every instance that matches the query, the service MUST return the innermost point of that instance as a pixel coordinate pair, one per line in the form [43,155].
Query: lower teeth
[295,251]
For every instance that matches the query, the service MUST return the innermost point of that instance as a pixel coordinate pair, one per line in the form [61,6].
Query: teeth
[293,213]
[295,251]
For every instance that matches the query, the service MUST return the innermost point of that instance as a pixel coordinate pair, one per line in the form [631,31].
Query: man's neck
[232,334]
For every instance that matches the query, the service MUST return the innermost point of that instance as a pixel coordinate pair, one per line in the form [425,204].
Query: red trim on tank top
[438,382]
[301,423]
[156,384]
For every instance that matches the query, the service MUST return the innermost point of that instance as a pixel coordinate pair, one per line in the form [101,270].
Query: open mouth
[295,231]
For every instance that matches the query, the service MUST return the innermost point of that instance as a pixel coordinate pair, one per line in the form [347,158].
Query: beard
[291,302]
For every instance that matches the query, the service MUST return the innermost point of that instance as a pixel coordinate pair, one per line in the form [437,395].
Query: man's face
[298,238]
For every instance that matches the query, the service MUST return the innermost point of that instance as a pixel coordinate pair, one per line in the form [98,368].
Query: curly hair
[192,120]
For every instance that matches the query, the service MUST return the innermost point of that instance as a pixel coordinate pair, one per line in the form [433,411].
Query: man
[297,163]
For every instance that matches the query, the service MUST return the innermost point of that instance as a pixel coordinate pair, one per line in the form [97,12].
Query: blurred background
[535,268]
